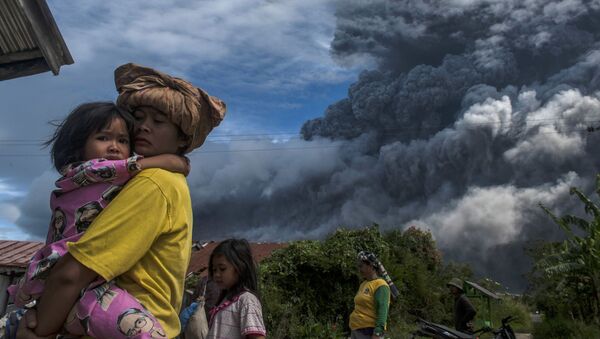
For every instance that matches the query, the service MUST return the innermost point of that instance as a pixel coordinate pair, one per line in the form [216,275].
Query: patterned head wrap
[190,108]
[371,258]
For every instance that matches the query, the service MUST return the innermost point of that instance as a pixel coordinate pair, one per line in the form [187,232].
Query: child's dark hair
[71,134]
[239,254]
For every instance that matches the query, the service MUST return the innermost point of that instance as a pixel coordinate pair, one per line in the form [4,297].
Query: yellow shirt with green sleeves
[142,240]
[371,305]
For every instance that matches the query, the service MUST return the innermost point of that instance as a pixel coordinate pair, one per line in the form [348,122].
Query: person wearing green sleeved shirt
[371,303]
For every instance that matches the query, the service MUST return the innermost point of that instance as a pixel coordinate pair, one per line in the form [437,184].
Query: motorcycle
[437,331]
[505,331]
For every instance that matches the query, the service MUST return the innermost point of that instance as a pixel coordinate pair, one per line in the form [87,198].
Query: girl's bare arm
[169,162]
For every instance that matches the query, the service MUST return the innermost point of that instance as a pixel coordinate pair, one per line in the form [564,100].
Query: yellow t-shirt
[364,313]
[143,239]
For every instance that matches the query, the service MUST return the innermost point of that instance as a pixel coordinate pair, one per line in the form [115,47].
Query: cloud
[555,130]
[8,191]
[233,43]
[471,114]
[9,212]
[466,119]
[264,58]
[34,208]
[495,215]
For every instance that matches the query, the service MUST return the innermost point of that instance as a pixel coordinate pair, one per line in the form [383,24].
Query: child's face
[224,274]
[111,142]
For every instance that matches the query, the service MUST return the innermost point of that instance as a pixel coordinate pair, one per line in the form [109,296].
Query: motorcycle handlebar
[508,319]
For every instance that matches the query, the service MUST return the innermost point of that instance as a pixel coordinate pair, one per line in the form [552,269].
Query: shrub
[561,328]
[308,287]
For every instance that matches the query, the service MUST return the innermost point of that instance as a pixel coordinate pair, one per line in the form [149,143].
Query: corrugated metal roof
[16,254]
[13,20]
[482,290]
[30,41]
[199,259]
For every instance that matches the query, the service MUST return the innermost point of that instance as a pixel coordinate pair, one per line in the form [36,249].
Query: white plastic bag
[197,326]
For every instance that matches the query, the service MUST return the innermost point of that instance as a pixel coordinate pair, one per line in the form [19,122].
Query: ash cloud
[476,112]
[431,53]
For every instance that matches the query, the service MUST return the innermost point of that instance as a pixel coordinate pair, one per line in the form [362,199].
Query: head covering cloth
[190,108]
[371,259]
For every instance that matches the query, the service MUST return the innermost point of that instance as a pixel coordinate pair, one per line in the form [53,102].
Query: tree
[576,261]
[314,281]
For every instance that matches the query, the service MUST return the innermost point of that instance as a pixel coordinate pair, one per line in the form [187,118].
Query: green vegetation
[561,328]
[308,288]
[566,276]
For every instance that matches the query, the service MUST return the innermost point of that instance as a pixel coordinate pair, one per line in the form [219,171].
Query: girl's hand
[169,162]
[182,165]
[27,326]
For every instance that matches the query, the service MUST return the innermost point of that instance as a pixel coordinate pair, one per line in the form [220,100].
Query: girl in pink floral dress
[91,149]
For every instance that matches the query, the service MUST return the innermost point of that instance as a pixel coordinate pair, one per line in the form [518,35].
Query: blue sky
[270,61]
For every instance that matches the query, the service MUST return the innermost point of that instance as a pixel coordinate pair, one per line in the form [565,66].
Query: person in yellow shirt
[371,303]
[142,239]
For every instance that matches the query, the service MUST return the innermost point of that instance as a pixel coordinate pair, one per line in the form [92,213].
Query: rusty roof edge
[15,255]
[12,270]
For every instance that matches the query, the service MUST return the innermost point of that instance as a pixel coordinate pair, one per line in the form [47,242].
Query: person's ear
[182,142]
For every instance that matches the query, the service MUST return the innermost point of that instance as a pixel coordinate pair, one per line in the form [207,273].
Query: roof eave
[33,44]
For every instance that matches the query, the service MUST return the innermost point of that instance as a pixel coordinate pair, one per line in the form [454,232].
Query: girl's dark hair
[239,254]
[71,134]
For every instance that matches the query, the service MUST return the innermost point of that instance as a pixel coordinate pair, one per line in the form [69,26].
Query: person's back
[464,312]
[151,270]
[74,204]
[81,146]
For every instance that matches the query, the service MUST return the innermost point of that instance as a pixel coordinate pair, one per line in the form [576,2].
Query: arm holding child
[170,162]
[119,171]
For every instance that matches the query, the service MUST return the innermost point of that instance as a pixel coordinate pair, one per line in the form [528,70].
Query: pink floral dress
[104,310]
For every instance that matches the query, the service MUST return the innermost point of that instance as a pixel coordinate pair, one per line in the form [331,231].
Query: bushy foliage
[566,276]
[308,287]
[191,281]
[508,306]
[416,265]
[318,278]
[560,328]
